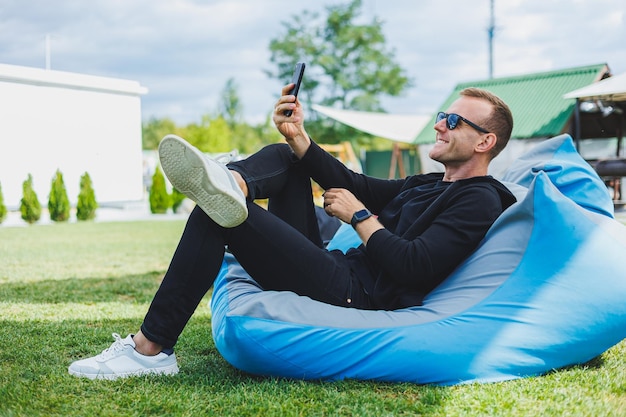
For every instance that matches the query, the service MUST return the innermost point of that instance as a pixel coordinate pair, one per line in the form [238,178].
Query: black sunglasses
[452,120]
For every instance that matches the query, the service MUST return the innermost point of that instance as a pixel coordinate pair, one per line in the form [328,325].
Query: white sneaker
[205,181]
[121,360]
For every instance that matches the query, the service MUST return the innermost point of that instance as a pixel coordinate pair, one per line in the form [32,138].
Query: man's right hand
[291,127]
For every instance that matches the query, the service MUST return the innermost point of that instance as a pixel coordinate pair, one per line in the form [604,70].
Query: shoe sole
[207,183]
[166,370]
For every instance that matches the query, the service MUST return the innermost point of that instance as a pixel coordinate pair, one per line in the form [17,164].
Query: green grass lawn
[64,288]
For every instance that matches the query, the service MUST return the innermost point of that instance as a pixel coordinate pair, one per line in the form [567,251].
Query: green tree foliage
[30,207]
[154,130]
[267,131]
[212,135]
[58,203]
[159,198]
[218,133]
[348,63]
[243,137]
[248,139]
[86,205]
[3,208]
[230,107]
[177,199]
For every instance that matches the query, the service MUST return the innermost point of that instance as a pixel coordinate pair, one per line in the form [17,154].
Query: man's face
[454,147]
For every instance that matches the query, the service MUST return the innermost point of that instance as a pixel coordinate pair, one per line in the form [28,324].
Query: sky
[184,51]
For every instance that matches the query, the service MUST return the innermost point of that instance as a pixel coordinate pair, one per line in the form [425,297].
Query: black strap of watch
[359,216]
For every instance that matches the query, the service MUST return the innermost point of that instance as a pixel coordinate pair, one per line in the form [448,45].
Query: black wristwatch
[359,216]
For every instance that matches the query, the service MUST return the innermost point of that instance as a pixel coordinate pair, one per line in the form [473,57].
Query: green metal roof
[536,100]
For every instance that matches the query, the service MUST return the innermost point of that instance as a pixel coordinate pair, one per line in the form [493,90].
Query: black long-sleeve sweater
[431,226]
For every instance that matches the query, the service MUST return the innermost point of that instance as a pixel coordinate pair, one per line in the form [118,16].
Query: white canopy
[397,127]
[611,89]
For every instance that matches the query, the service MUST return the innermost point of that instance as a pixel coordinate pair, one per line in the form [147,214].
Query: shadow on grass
[131,288]
[35,356]
[595,363]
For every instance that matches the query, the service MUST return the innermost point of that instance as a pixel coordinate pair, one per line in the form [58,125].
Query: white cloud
[184,51]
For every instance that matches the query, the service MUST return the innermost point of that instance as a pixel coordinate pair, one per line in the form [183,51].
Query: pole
[490,32]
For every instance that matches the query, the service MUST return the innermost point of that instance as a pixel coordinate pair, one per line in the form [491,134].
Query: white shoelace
[226,157]
[112,350]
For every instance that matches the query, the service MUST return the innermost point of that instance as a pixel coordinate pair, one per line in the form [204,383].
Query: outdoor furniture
[544,290]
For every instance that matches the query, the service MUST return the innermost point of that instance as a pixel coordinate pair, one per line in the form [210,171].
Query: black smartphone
[297,80]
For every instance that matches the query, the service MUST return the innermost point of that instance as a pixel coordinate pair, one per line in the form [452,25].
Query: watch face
[359,216]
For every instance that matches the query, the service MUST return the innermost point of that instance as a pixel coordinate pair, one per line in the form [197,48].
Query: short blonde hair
[499,122]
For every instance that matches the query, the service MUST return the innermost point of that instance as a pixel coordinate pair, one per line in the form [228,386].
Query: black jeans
[280,248]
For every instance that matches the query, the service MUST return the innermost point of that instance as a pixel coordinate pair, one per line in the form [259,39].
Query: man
[415,231]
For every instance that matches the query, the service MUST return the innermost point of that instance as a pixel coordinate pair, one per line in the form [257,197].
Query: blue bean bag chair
[545,289]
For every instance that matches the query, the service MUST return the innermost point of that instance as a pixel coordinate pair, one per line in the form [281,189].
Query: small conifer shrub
[86,205]
[3,208]
[177,199]
[30,207]
[58,202]
[159,198]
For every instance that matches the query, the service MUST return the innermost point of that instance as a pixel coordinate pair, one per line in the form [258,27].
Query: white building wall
[53,120]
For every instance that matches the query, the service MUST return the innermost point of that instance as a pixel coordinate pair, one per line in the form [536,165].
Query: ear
[487,142]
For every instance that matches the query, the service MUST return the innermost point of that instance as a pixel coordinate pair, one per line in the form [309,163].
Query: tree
[58,203]
[216,133]
[3,208]
[243,137]
[177,199]
[86,205]
[230,107]
[159,198]
[348,63]
[213,135]
[267,133]
[154,130]
[30,208]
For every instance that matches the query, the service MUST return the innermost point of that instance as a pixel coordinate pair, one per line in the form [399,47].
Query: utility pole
[490,32]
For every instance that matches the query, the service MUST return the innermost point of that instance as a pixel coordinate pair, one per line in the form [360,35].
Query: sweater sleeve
[329,172]
[422,263]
